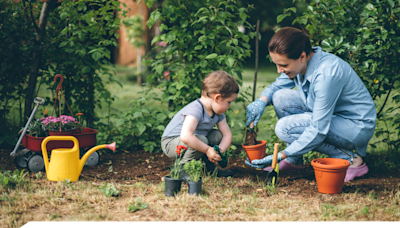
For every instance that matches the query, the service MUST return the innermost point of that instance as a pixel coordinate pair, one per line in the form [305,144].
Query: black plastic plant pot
[172,186]
[195,187]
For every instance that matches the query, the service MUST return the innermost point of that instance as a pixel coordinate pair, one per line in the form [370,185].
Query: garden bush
[76,43]
[200,37]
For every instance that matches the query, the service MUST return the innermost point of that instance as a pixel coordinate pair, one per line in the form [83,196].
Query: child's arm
[188,137]
[226,135]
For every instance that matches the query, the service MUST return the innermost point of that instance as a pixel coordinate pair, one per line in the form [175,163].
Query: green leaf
[230,61]
[159,68]
[155,39]
[63,44]
[212,56]
[141,129]
[119,122]
[170,37]
[202,38]
[63,16]
[198,47]
[96,55]
[280,17]
[86,69]
[369,6]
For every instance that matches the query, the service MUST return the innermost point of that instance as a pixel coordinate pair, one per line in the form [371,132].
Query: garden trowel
[272,176]
[250,136]
[224,162]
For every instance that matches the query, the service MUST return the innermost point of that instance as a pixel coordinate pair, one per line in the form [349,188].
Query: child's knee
[214,137]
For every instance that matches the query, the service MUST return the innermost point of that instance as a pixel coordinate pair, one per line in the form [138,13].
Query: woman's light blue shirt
[330,87]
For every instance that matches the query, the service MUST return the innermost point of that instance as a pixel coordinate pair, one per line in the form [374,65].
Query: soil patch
[250,138]
[127,168]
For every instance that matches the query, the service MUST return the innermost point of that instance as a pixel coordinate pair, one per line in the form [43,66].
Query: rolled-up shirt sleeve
[282,82]
[326,91]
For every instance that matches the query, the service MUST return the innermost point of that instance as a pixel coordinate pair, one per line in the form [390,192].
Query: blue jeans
[294,117]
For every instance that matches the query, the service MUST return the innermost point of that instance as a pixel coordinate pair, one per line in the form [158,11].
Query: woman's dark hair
[291,42]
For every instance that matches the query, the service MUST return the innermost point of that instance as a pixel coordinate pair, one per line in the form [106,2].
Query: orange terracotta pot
[330,174]
[256,151]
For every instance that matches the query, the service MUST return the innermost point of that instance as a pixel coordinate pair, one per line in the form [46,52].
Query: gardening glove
[254,111]
[262,163]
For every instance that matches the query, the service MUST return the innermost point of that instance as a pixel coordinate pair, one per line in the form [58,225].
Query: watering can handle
[58,138]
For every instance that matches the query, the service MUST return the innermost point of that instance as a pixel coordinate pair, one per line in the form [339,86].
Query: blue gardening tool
[224,162]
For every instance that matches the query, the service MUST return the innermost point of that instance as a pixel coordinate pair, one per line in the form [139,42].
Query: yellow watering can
[65,162]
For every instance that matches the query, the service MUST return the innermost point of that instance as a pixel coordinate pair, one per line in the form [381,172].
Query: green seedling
[138,205]
[39,175]
[11,180]
[109,189]
[194,169]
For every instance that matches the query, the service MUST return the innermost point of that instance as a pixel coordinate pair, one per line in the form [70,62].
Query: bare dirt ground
[125,168]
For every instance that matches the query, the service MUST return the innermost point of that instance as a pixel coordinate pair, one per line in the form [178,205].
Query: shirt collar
[312,64]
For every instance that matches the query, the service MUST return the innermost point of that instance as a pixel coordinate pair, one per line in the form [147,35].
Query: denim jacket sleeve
[282,82]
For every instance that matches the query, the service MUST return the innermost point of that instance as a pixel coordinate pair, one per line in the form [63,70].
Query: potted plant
[194,169]
[63,125]
[174,181]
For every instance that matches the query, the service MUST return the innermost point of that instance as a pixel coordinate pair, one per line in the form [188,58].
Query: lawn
[135,179]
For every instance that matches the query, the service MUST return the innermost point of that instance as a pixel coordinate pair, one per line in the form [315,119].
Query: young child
[193,125]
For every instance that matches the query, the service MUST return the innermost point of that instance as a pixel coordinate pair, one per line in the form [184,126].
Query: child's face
[220,105]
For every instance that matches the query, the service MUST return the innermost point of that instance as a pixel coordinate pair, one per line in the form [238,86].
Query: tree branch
[387,97]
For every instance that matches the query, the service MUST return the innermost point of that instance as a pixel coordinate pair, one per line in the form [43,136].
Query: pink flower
[162,44]
[166,73]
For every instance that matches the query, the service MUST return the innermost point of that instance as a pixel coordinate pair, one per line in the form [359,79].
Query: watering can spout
[111,146]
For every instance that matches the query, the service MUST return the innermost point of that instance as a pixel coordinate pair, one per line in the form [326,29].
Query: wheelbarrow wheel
[93,159]
[35,163]
[22,160]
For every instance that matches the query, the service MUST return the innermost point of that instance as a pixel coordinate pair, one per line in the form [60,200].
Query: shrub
[199,37]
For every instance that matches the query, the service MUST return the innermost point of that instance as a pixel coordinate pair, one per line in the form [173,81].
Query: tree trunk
[90,116]
[37,55]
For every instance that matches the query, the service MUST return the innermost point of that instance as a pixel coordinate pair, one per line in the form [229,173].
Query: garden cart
[31,156]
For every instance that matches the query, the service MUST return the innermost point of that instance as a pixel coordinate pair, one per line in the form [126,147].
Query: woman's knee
[282,95]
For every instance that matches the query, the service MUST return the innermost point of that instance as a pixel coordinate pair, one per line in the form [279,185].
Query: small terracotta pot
[330,174]
[256,151]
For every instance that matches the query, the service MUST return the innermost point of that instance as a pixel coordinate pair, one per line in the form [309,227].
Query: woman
[331,112]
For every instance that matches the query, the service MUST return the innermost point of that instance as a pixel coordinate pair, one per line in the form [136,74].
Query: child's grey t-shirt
[195,108]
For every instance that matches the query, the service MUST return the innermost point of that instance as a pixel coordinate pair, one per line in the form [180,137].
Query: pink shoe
[284,166]
[356,172]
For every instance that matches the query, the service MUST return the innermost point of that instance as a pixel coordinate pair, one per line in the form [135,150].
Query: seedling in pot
[194,169]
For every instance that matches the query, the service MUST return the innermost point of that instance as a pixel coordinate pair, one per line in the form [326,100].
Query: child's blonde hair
[219,82]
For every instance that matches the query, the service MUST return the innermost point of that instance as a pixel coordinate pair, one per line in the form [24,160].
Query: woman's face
[291,67]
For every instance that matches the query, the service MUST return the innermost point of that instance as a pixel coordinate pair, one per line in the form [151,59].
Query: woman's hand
[254,111]
[262,163]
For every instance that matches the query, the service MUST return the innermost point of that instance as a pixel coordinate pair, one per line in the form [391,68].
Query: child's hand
[213,155]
